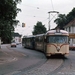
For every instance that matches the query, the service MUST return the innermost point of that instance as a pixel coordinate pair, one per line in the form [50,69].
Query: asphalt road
[21,61]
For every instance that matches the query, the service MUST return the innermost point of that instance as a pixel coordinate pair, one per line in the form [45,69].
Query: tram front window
[57,39]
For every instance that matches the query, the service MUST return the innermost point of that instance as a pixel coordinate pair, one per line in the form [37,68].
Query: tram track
[30,57]
[65,63]
[58,68]
[42,66]
[48,68]
[30,68]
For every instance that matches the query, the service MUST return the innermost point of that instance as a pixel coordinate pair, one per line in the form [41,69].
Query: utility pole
[49,16]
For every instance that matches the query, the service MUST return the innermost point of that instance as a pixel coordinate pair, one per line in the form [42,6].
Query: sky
[33,11]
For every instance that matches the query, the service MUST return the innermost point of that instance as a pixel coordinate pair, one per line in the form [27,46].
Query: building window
[66,29]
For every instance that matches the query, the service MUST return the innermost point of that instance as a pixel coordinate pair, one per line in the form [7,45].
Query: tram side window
[36,39]
[39,39]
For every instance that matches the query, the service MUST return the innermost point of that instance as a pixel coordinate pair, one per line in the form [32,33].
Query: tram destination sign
[58,33]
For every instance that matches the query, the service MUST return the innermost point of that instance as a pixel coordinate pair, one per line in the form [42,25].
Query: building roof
[71,23]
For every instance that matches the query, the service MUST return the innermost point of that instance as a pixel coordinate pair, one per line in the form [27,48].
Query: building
[70,27]
[17,38]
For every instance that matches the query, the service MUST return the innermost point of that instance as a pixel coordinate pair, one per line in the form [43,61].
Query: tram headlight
[58,48]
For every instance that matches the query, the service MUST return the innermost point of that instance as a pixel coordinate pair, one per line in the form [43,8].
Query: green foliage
[70,16]
[39,29]
[63,19]
[8,13]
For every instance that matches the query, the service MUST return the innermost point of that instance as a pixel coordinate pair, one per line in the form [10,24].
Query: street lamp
[49,16]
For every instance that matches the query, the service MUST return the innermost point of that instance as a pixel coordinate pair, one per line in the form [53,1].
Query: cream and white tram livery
[57,42]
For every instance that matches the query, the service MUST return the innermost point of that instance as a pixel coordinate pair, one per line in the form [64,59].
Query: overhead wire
[51,14]
[52,5]
[37,7]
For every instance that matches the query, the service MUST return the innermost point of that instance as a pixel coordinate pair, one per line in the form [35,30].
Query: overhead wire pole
[49,17]
[49,14]
[49,20]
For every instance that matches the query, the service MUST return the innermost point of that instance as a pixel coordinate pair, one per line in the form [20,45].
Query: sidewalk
[5,54]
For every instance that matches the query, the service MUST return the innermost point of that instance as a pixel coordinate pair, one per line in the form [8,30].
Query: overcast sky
[37,10]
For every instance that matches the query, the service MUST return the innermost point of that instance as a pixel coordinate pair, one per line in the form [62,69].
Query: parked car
[72,47]
[13,44]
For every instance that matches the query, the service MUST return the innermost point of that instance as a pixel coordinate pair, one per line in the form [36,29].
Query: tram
[51,43]
[57,42]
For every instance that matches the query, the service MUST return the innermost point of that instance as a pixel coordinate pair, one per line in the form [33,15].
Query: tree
[8,13]
[70,16]
[61,20]
[39,29]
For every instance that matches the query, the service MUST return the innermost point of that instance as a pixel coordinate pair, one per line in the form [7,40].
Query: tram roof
[54,31]
[29,36]
[39,34]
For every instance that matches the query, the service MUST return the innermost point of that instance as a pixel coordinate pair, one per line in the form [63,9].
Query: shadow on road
[57,56]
